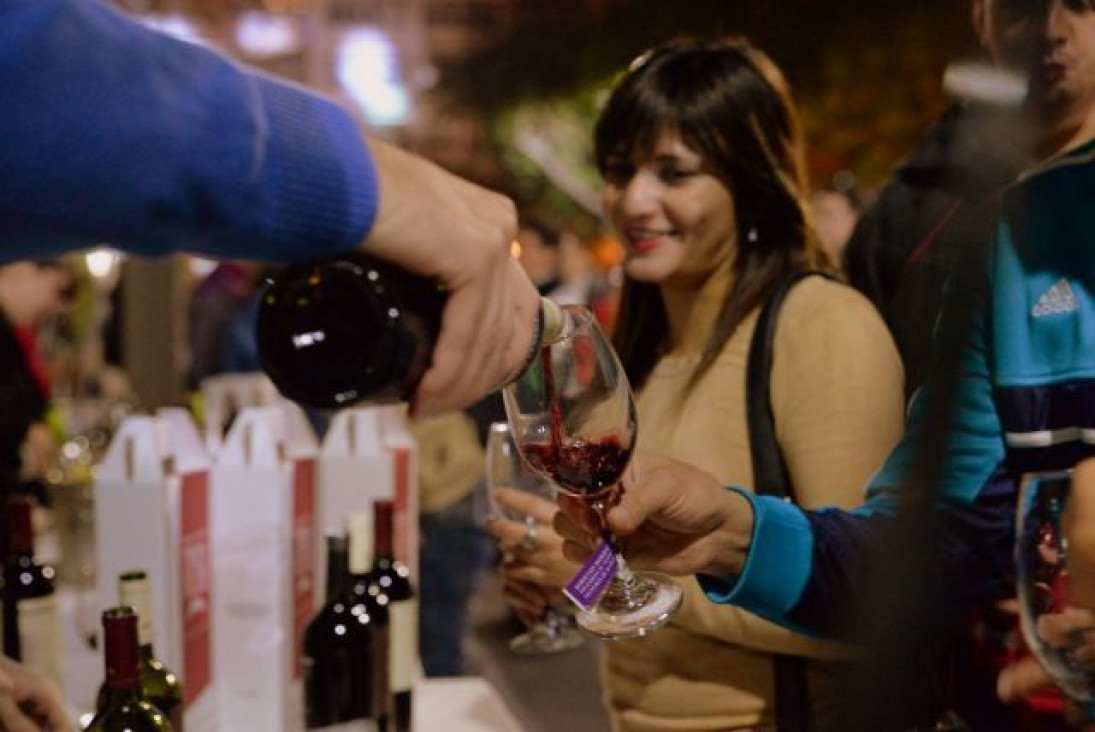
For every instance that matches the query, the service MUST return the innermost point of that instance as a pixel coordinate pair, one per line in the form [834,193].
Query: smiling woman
[701,155]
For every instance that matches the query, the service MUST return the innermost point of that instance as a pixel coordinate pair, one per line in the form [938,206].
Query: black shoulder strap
[769,471]
[770,478]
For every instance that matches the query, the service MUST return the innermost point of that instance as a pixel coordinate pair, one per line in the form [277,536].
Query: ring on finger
[529,542]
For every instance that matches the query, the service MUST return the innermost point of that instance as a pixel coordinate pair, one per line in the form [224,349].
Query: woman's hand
[535,551]
[29,702]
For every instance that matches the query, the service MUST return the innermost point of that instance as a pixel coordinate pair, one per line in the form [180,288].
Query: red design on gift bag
[303,558]
[196,586]
[401,532]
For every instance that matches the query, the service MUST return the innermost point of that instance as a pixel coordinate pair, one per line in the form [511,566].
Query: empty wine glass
[572,415]
[1053,628]
[555,630]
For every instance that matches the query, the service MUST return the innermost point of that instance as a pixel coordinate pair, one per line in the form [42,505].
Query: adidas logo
[1058,299]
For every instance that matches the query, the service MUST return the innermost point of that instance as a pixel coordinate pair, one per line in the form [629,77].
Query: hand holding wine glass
[1055,582]
[523,511]
[523,527]
[572,415]
[671,517]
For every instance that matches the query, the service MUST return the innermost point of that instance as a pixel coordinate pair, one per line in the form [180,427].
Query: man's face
[1053,43]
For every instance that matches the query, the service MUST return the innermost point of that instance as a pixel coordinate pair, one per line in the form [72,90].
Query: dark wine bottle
[158,684]
[352,329]
[345,330]
[32,590]
[391,580]
[124,708]
[338,656]
[370,604]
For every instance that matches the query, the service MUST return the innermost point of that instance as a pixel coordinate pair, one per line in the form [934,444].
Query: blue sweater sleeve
[115,133]
[805,569]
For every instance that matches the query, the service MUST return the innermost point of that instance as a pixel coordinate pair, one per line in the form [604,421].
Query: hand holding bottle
[437,225]
[29,702]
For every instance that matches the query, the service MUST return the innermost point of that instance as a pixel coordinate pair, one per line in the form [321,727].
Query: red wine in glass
[584,468]
[572,416]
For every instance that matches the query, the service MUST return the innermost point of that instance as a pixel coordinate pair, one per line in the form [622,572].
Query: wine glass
[572,415]
[555,630]
[1047,616]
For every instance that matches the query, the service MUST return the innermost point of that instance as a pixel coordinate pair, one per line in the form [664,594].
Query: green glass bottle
[159,684]
[123,706]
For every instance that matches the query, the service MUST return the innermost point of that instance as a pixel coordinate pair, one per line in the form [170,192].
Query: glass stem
[623,577]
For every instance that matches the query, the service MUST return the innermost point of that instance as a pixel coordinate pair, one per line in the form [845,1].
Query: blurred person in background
[29,292]
[940,201]
[701,155]
[538,253]
[215,303]
[581,282]
[836,210]
[455,552]
[1023,364]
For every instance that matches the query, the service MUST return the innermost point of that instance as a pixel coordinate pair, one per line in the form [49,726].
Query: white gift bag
[263,558]
[152,513]
[368,455]
[225,395]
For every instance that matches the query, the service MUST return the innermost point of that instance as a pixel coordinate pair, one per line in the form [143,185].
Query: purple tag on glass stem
[591,581]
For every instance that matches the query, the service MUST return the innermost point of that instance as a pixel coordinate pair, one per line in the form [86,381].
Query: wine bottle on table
[32,591]
[392,580]
[370,605]
[353,329]
[124,708]
[338,656]
[159,685]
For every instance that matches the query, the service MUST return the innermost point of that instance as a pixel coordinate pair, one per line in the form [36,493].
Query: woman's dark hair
[729,104]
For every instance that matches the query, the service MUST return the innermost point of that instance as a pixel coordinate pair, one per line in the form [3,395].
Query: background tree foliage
[866,73]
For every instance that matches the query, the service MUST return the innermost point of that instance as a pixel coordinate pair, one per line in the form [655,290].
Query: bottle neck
[361,543]
[21,528]
[122,654]
[135,590]
[337,568]
[117,696]
[383,523]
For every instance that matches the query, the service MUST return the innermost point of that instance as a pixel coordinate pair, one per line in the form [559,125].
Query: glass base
[633,609]
[544,639]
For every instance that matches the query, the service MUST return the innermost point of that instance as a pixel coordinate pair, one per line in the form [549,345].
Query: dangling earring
[752,235]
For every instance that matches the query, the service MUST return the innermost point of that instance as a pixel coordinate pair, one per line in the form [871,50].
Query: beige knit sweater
[837,398]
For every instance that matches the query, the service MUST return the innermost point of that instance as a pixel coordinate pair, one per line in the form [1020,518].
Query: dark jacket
[939,203]
[21,402]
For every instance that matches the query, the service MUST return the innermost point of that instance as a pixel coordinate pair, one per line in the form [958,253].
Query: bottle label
[357,725]
[586,587]
[40,636]
[403,627]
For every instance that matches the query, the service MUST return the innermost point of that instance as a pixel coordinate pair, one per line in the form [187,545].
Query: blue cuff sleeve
[778,566]
[318,183]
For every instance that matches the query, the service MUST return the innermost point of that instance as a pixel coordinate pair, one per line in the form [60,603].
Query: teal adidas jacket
[1025,401]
